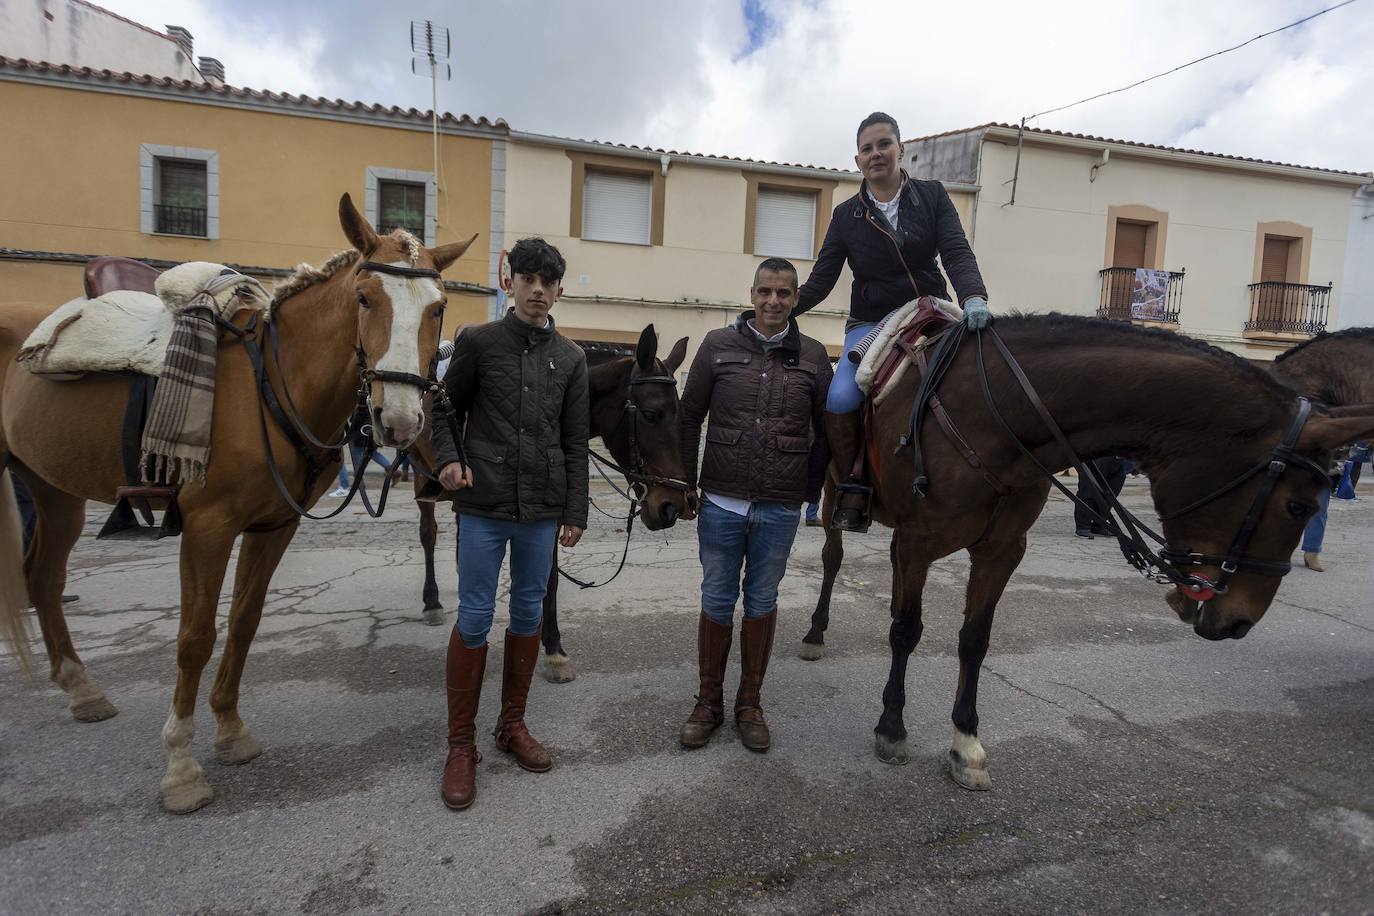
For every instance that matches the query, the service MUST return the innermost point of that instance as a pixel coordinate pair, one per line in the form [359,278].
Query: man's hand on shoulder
[455,476]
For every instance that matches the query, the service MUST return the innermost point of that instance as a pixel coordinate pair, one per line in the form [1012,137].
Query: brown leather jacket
[765,440]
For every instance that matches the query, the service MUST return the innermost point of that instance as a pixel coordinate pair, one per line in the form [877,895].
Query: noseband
[638,473]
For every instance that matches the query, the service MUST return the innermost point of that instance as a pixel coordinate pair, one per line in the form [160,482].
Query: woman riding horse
[890,233]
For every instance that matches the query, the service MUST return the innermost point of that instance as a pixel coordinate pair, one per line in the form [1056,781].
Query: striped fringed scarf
[176,438]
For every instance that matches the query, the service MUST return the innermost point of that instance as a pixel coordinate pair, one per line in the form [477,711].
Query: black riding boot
[844,432]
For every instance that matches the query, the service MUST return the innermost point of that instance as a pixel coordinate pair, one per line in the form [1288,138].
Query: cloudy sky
[789,79]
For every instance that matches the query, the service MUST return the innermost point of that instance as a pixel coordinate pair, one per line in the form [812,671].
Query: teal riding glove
[977,315]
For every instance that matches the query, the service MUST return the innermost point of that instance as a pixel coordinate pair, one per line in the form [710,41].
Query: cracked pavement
[1135,767]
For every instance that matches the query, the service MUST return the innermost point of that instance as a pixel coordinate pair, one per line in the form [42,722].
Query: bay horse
[638,424]
[365,322]
[1202,424]
[1336,369]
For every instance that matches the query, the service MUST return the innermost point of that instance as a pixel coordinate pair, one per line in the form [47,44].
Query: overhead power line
[1190,63]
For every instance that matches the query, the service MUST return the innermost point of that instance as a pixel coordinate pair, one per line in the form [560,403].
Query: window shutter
[616,207]
[182,184]
[785,224]
[1274,266]
[401,205]
[1130,245]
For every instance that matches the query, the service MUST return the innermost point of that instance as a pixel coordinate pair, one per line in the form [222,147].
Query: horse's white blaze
[77,684]
[182,768]
[970,750]
[411,299]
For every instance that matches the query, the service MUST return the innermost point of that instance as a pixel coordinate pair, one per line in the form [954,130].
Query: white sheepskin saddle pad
[127,331]
[888,331]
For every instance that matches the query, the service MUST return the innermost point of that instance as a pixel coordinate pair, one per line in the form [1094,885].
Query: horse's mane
[1347,334]
[306,275]
[1079,328]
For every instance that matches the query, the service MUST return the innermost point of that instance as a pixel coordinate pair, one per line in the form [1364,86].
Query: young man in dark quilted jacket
[519,394]
[763,385]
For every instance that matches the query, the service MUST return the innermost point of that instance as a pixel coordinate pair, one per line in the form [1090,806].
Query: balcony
[179,220]
[1296,309]
[1123,299]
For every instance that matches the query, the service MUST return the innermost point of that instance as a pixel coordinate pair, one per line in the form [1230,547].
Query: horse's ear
[1332,432]
[444,255]
[676,357]
[355,226]
[647,350]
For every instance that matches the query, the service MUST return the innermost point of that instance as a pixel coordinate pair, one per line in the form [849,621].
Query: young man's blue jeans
[760,542]
[1315,532]
[482,550]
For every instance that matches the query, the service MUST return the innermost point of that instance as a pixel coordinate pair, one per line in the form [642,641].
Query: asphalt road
[1136,768]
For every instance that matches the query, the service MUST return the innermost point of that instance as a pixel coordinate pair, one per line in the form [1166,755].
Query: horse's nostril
[1239,629]
[668,512]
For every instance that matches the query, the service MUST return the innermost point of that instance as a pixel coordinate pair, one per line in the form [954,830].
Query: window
[1130,244]
[179,191]
[401,205]
[1276,257]
[180,197]
[785,224]
[617,207]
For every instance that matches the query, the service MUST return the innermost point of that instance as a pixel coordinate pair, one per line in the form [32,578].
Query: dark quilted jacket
[765,440]
[520,400]
[930,226]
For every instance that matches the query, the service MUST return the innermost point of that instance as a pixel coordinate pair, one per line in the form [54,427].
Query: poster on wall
[1149,294]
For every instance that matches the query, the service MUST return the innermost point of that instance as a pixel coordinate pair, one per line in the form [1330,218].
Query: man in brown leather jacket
[763,384]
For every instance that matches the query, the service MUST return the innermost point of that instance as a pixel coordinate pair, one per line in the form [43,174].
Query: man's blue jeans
[481,551]
[1315,532]
[759,542]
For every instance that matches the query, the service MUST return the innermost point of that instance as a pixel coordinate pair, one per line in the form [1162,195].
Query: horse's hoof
[558,669]
[187,797]
[434,616]
[93,709]
[896,753]
[238,749]
[975,778]
[812,651]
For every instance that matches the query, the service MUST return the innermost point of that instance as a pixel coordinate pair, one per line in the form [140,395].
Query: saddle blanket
[914,321]
[127,331]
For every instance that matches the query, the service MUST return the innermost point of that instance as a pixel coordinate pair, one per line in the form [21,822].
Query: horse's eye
[1300,510]
[362,300]
[653,416]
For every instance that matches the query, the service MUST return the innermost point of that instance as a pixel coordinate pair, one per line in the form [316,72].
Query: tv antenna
[431,46]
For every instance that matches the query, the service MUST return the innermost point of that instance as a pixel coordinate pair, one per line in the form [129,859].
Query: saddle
[893,346]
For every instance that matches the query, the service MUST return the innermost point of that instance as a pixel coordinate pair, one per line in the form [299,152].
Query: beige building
[1255,251]
[167,171]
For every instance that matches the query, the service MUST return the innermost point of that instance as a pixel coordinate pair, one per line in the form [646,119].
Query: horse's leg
[429,533]
[993,564]
[910,564]
[258,559]
[832,555]
[204,557]
[557,668]
[60,518]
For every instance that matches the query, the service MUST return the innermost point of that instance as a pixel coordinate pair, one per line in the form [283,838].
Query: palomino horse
[638,423]
[1203,424]
[372,314]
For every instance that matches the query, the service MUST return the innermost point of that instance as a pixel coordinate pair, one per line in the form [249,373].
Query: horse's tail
[14,593]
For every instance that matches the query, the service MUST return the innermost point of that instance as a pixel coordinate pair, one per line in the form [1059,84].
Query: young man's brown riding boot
[844,432]
[464,680]
[522,655]
[713,652]
[755,645]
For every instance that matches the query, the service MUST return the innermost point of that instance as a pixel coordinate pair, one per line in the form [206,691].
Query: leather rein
[1168,565]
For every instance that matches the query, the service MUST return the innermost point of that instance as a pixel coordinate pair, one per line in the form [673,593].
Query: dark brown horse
[1193,417]
[654,448]
[1336,369]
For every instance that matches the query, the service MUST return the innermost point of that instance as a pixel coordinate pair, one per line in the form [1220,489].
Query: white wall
[80,36]
[1045,252]
[1357,309]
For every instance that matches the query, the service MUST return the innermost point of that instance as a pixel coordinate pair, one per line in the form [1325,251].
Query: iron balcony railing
[1121,301]
[180,220]
[1288,308]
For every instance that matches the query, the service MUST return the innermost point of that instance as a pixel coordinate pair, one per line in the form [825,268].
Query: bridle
[1168,565]
[294,427]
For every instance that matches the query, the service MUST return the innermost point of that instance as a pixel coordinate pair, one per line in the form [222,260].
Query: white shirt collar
[757,333]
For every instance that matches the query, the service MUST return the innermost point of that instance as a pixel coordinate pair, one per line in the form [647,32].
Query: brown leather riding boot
[755,645]
[713,652]
[464,679]
[844,435]
[522,655]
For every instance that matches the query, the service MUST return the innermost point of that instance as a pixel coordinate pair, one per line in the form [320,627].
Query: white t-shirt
[890,208]
[734,503]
